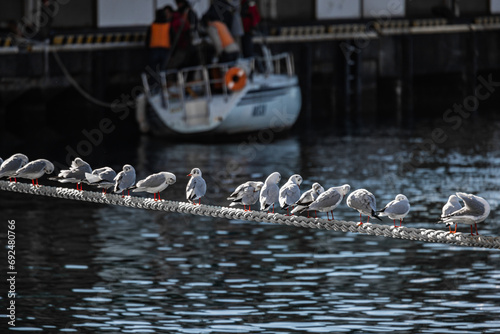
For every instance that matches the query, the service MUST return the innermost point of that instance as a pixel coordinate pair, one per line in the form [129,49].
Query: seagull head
[49,167]
[195,172]
[345,189]
[78,162]
[401,197]
[169,178]
[316,187]
[257,186]
[274,178]
[128,168]
[296,178]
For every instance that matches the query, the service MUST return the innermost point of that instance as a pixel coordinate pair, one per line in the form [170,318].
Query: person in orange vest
[158,39]
[226,49]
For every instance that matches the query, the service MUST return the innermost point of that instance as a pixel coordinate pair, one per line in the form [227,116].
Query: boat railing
[202,82]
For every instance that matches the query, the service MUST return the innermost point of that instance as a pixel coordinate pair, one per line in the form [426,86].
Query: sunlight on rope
[419,234]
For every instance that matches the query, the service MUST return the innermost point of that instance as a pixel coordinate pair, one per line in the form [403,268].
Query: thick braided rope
[420,234]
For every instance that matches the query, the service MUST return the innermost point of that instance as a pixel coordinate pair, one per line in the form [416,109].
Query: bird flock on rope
[475,209]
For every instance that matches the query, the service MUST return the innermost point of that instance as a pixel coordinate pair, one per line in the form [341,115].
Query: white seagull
[330,199]
[125,180]
[290,192]
[196,187]
[451,206]
[246,194]
[307,198]
[396,209]
[269,194]
[34,170]
[155,183]
[75,173]
[10,166]
[102,178]
[363,201]
[475,210]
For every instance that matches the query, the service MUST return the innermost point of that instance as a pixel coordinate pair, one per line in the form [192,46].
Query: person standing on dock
[158,39]
[185,27]
[251,17]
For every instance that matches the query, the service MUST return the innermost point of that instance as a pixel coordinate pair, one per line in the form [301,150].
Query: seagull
[290,192]
[451,206]
[75,173]
[102,178]
[34,170]
[10,166]
[475,211]
[155,183]
[270,191]
[124,180]
[363,201]
[196,187]
[330,199]
[396,209]
[307,198]
[246,194]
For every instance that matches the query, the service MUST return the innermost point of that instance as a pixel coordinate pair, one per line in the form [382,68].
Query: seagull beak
[189,175]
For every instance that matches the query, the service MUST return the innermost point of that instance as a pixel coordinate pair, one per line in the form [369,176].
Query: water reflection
[94,268]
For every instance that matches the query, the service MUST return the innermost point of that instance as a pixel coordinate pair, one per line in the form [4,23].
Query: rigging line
[418,234]
[82,91]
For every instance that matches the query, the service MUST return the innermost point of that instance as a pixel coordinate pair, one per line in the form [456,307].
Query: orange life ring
[236,79]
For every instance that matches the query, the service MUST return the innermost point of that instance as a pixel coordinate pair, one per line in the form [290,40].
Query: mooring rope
[389,231]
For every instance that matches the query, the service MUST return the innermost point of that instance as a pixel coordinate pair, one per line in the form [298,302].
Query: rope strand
[418,234]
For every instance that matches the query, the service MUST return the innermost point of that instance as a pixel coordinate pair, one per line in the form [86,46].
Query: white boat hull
[271,101]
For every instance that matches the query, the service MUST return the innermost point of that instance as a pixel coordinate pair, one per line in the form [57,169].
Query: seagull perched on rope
[246,194]
[290,192]
[476,209]
[330,199]
[396,209]
[125,180]
[365,202]
[307,198]
[155,183]
[10,166]
[196,187]
[34,170]
[75,173]
[269,194]
[102,178]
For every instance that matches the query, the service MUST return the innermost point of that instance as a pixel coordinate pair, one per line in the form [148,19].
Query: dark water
[87,268]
